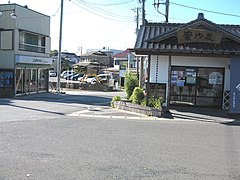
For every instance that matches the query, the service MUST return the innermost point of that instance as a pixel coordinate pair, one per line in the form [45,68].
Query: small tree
[137,95]
[115,98]
[130,83]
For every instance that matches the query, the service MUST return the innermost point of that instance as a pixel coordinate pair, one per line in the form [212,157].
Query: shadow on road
[203,114]
[68,98]
[56,98]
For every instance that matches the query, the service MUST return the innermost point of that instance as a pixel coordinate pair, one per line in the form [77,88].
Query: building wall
[24,51]
[159,66]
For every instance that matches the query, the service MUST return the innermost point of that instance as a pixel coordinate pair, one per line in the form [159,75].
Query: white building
[24,50]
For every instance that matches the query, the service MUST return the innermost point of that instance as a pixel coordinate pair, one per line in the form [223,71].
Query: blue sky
[94,24]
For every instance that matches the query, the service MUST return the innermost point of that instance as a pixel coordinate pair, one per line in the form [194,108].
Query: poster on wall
[235,86]
[191,76]
[215,78]
[177,78]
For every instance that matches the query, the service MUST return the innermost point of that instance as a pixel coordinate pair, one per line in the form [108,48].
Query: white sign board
[33,60]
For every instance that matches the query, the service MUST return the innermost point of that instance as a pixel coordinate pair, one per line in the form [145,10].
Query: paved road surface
[40,140]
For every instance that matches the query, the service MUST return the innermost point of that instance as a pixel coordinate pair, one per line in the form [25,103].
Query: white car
[64,74]
[52,73]
[90,79]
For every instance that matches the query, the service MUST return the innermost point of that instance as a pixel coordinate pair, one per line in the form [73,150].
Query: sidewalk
[201,114]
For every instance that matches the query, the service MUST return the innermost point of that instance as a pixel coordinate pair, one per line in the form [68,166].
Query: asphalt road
[41,138]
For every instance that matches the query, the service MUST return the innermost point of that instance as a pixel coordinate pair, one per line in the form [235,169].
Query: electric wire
[112,4]
[210,11]
[102,12]
[106,16]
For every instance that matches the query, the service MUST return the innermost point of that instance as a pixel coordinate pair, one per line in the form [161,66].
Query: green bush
[115,98]
[143,102]
[137,95]
[130,83]
[155,102]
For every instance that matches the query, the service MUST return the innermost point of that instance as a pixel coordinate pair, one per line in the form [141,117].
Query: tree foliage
[137,95]
[130,83]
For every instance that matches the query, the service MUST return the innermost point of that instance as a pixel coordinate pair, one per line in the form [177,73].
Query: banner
[235,85]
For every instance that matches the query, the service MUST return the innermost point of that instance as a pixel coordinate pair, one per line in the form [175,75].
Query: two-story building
[24,50]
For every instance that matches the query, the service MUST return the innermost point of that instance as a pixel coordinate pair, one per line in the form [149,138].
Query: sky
[94,24]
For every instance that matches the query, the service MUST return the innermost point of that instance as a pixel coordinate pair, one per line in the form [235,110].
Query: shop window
[42,79]
[6,79]
[197,85]
[19,81]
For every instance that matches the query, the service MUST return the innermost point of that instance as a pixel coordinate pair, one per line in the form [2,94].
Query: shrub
[137,95]
[155,102]
[130,83]
[144,102]
[115,98]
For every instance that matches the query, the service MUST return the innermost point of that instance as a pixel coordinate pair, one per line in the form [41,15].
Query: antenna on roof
[9,2]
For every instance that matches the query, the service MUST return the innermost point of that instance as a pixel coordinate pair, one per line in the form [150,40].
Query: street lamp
[59,51]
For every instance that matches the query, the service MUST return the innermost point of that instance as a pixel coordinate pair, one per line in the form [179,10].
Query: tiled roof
[162,38]
[121,54]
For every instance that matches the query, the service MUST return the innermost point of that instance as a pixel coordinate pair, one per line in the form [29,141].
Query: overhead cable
[221,13]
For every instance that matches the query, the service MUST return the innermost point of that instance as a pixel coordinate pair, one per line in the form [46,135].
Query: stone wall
[127,106]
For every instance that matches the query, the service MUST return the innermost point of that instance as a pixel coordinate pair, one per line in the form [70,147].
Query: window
[32,42]
[6,79]
[6,40]
[197,85]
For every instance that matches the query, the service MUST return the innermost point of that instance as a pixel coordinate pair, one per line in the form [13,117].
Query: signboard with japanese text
[235,85]
[189,35]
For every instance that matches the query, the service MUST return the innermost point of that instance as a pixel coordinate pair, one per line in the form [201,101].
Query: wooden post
[148,79]
[169,82]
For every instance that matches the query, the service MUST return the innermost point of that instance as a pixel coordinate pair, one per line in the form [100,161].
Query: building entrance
[31,80]
[198,86]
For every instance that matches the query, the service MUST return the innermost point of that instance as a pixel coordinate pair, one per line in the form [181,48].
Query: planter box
[127,106]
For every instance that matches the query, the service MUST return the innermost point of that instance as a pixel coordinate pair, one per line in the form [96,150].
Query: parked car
[90,79]
[103,78]
[74,77]
[52,73]
[64,74]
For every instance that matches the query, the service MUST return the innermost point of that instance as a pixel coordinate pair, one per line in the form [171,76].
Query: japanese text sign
[188,35]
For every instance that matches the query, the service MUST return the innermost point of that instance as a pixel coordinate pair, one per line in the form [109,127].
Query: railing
[226,100]
[31,47]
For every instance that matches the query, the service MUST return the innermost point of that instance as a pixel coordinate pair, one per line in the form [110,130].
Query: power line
[103,13]
[101,10]
[112,4]
[226,14]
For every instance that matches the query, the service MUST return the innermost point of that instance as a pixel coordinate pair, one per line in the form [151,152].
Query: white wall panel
[200,61]
[159,69]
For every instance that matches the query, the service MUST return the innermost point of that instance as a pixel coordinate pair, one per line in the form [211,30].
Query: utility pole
[142,58]
[137,19]
[59,51]
[157,3]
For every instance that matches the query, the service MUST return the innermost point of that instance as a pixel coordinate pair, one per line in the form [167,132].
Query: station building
[24,51]
[195,63]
